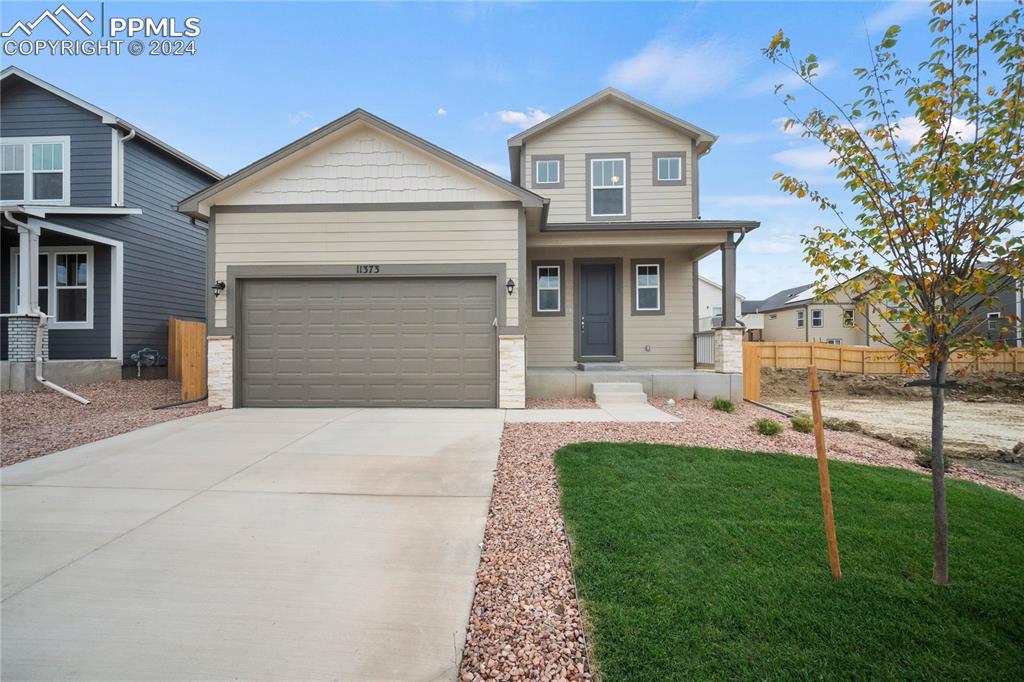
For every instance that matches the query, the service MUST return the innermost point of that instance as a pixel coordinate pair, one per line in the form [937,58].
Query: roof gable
[358,158]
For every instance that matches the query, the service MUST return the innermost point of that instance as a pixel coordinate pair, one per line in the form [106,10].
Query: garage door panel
[387,342]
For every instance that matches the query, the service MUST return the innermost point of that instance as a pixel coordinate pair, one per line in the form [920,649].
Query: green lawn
[694,563]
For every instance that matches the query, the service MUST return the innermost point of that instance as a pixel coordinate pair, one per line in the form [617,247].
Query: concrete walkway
[245,544]
[608,413]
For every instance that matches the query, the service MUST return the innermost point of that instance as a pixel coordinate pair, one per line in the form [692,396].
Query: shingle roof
[781,299]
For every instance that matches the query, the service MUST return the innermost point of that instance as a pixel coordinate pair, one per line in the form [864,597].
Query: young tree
[932,161]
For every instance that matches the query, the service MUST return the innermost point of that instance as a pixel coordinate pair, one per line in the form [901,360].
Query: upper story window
[547,172]
[799,319]
[848,318]
[35,170]
[608,187]
[669,168]
[817,318]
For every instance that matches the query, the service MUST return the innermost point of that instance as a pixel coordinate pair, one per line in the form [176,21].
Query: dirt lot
[34,424]
[983,418]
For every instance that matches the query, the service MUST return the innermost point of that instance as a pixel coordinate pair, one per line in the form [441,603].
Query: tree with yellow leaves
[932,159]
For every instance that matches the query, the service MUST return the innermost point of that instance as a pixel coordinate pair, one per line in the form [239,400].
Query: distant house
[797,314]
[93,199]
[709,306]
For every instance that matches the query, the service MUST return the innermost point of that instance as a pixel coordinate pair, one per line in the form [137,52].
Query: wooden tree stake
[826,487]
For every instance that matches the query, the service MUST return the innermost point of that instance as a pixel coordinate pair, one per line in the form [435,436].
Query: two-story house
[362,265]
[91,236]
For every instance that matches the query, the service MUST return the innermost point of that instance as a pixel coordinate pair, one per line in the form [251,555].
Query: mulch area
[42,422]
[525,622]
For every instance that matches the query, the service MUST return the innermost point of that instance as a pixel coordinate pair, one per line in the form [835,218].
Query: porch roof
[633,226]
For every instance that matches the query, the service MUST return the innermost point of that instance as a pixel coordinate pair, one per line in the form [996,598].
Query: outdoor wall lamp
[218,287]
[510,286]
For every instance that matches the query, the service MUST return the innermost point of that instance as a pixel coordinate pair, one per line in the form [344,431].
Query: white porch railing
[704,348]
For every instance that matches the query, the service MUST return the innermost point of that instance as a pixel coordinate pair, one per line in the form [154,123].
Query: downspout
[119,200]
[41,316]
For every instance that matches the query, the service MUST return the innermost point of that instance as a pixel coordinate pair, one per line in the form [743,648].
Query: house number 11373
[367,269]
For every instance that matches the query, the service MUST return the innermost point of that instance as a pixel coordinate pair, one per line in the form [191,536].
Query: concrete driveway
[250,544]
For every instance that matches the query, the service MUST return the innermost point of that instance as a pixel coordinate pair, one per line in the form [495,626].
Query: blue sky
[467,76]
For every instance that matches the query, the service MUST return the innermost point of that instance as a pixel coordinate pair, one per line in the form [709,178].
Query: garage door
[381,342]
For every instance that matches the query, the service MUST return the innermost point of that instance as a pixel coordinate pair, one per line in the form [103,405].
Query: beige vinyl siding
[549,340]
[783,326]
[360,164]
[610,127]
[360,237]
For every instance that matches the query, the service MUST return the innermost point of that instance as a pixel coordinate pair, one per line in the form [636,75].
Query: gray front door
[597,310]
[416,342]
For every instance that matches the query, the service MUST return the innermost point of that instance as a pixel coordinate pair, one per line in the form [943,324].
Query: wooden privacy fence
[854,360]
[186,356]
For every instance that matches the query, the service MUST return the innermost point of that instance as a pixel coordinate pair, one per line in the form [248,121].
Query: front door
[597,310]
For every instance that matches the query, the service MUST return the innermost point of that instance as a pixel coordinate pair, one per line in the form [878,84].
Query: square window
[549,172]
[670,168]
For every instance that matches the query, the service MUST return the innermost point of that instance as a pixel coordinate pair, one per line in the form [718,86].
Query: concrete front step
[619,393]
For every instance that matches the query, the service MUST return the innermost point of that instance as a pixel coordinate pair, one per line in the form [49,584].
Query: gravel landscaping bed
[560,404]
[525,622]
[42,422]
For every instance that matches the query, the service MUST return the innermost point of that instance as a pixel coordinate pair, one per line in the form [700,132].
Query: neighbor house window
[648,287]
[548,171]
[608,187]
[548,294]
[66,285]
[35,170]
[848,318]
[817,318]
[799,318]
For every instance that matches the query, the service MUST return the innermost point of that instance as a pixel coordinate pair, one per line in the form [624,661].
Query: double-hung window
[817,318]
[648,287]
[35,170]
[799,319]
[608,187]
[66,281]
[549,289]
[848,318]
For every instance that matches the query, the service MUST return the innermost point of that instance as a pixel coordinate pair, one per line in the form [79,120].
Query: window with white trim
[817,318]
[35,170]
[799,319]
[648,286]
[66,285]
[549,172]
[549,288]
[670,168]
[848,318]
[608,187]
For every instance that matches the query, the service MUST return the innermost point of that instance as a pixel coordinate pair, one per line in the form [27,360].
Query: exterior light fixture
[510,286]
[218,287]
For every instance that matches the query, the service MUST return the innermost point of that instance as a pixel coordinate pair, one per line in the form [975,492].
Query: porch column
[729,283]
[28,270]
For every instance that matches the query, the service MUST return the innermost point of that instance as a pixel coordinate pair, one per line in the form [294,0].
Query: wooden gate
[751,370]
[186,356]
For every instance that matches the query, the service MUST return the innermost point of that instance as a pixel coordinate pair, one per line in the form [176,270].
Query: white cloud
[793,130]
[911,129]
[750,200]
[441,111]
[895,13]
[298,117]
[677,73]
[804,157]
[523,119]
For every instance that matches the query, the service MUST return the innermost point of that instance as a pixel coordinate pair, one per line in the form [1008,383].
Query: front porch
[669,382]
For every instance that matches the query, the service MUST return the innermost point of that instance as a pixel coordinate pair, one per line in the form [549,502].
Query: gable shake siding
[29,111]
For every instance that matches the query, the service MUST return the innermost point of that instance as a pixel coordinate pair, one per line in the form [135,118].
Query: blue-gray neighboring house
[95,198]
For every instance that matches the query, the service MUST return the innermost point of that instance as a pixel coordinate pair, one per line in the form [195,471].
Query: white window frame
[539,288]
[594,186]
[800,319]
[994,315]
[638,287]
[849,319]
[549,181]
[817,318]
[678,178]
[51,284]
[27,142]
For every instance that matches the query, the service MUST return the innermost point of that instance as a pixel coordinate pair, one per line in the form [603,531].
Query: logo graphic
[30,26]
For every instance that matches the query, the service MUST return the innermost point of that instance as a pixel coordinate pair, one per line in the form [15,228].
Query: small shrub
[923,457]
[834,424]
[723,405]
[802,424]
[767,427]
